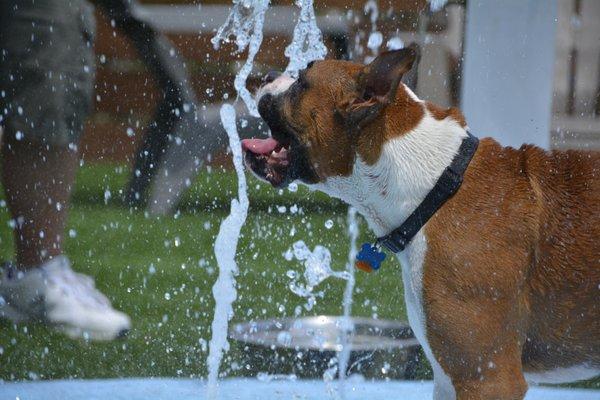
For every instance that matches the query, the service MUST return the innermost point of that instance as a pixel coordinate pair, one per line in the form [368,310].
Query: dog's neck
[387,192]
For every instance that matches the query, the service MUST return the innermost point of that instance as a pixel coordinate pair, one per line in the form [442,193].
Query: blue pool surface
[244,389]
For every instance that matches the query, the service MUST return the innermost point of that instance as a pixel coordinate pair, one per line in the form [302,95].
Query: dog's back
[564,276]
[529,220]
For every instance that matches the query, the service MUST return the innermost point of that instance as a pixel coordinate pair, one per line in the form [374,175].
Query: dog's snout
[271,76]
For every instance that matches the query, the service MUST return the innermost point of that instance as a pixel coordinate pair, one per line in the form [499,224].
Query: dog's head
[334,111]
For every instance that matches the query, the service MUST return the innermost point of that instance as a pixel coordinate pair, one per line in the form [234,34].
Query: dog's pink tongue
[260,146]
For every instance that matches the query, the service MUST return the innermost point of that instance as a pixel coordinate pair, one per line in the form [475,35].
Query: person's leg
[47,77]
[37,180]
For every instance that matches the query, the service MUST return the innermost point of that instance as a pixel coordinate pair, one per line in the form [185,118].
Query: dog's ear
[411,77]
[377,84]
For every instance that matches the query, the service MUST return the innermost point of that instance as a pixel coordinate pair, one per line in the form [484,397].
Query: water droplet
[284,338]
[375,40]
[395,43]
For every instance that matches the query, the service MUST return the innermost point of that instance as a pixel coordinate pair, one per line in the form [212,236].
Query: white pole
[508,70]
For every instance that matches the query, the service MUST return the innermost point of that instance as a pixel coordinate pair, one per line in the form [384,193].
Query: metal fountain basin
[326,333]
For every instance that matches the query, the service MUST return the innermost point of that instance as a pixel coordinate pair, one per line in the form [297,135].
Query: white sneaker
[56,295]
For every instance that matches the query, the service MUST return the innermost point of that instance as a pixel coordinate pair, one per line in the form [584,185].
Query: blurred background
[127,93]
[154,257]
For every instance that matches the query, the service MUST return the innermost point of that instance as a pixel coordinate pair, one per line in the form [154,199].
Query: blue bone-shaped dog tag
[369,258]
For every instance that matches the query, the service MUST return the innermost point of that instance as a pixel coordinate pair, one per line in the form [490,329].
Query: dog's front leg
[506,385]
[477,343]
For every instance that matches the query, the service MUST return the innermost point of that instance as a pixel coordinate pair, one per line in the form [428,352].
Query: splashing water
[245,23]
[307,42]
[437,5]
[224,290]
[317,268]
[375,37]
[395,43]
[348,326]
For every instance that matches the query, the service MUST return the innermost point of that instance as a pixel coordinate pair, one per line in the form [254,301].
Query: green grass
[120,248]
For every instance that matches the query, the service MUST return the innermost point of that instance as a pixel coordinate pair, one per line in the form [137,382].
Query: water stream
[348,328]
[307,42]
[245,24]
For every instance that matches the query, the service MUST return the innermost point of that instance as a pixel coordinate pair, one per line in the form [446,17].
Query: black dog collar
[445,187]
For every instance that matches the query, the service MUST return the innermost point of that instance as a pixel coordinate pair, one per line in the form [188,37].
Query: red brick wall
[133,101]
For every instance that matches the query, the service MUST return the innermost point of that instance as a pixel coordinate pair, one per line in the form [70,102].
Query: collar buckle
[394,242]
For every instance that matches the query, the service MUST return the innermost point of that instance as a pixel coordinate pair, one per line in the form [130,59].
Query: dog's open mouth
[269,159]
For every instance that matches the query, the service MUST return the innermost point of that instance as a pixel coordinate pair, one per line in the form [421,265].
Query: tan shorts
[47,69]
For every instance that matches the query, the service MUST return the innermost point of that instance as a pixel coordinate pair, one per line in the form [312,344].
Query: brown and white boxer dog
[502,284]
